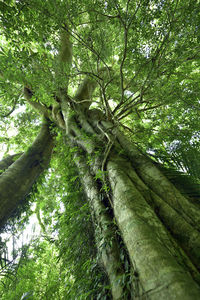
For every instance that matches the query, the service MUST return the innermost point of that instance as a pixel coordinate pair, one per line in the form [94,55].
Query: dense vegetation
[99,120]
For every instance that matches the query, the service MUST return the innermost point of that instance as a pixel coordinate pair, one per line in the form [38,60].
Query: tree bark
[158,225]
[162,267]
[8,161]
[130,196]
[17,180]
[106,240]
[130,200]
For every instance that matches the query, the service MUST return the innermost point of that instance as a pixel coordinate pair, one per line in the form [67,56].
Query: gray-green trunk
[17,180]
[158,225]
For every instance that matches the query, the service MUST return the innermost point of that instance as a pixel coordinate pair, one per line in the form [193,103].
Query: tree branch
[11,111]
[40,108]
[17,180]
[87,87]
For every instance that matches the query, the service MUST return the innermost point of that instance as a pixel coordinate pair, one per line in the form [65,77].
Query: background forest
[144,58]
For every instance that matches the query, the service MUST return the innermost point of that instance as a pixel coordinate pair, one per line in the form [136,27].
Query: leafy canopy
[150,51]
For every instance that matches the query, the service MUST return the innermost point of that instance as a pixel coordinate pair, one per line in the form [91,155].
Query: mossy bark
[106,241]
[17,180]
[158,225]
[135,208]
[8,161]
[162,266]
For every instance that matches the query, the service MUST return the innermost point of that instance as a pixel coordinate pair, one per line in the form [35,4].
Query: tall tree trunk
[158,225]
[163,268]
[18,178]
[133,205]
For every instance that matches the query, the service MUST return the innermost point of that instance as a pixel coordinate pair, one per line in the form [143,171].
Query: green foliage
[34,275]
[150,50]
[62,262]
[76,242]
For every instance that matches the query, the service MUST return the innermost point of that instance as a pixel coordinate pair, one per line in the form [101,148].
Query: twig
[79,39]
[152,107]
[11,111]
[104,15]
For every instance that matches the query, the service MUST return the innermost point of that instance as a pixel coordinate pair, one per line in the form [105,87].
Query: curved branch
[11,111]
